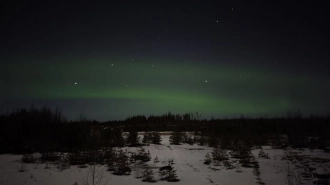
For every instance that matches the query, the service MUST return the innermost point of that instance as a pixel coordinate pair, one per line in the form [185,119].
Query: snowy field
[289,166]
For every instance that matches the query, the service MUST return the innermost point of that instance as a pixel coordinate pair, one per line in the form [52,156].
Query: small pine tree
[201,141]
[238,168]
[190,141]
[162,174]
[117,139]
[172,176]
[156,139]
[146,137]
[133,137]
[142,155]
[148,175]
[175,138]
[156,160]
[228,164]
[150,136]
[207,159]
[212,141]
[170,162]
[263,154]
[219,154]
[184,137]
[148,156]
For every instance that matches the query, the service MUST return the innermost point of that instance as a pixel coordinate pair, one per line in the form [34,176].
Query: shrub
[207,159]
[28,158]
[148,175]
[156,139]
[263,154]
[219,154]
[21,167]
[176,138]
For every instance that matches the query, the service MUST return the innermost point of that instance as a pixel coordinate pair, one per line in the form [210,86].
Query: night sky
[113,59]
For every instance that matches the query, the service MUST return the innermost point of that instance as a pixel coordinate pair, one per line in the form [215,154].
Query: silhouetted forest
[45,131]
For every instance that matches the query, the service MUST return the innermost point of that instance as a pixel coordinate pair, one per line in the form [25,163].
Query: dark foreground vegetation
[46,131]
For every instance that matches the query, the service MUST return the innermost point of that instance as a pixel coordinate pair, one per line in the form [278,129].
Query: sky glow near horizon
[159,87]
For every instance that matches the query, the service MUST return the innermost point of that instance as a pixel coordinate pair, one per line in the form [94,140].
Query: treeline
[296,130]
[45,131]
[22,130]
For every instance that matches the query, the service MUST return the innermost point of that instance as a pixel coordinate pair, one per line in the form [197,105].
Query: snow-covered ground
[188,161]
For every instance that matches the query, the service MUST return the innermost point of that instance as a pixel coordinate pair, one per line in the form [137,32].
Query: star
[75,83]
[205,81]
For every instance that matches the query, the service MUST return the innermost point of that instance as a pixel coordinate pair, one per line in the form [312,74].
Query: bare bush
[294,176]
[28,158]
[263,154]
[21,167]
[156,160]
[94,176]
[137,173]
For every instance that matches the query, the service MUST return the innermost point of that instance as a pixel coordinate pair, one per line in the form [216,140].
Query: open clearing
[284,166]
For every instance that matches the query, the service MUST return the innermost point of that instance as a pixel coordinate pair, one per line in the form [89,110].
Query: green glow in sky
[155,86]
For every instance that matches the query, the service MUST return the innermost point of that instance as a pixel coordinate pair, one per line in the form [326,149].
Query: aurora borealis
[112,60]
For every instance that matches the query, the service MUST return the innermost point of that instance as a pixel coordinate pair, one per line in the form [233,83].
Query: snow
[272,170]
[188,161]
